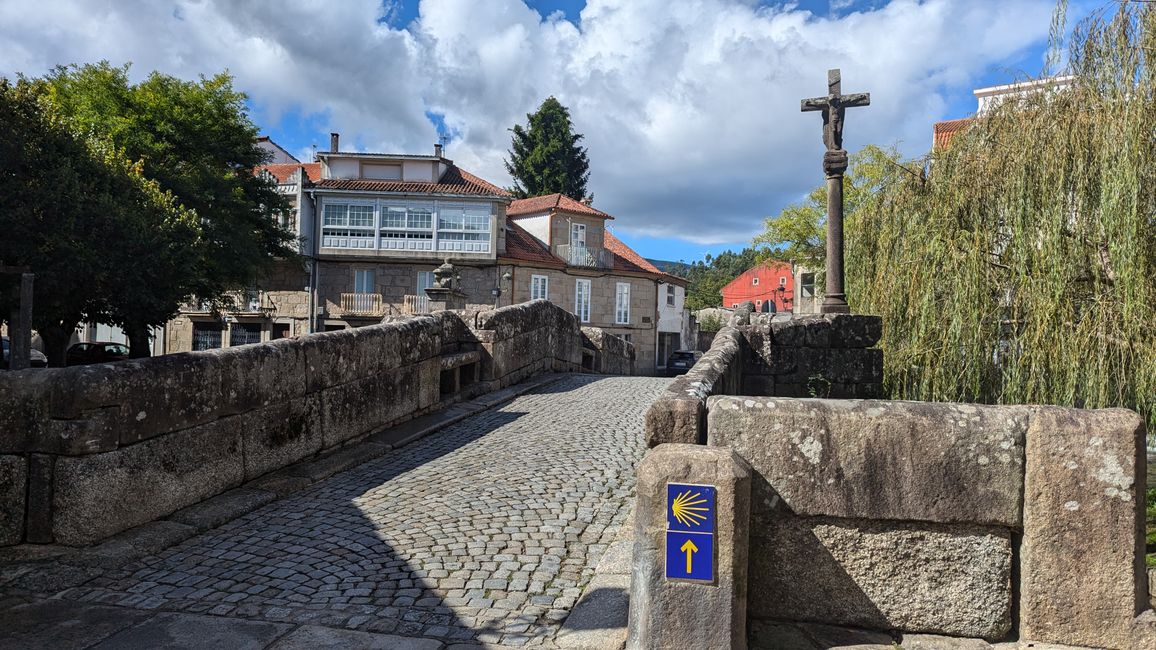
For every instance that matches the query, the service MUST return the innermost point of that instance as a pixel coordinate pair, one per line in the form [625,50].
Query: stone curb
[155,536]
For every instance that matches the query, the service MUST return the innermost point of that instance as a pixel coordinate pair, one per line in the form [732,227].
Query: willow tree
[1022,269]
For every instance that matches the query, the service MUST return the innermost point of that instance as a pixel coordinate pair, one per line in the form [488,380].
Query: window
[755,281]
[363,281]
[407,227]
[783,281]
[629,338]
[425,280]
[463,229]
[347,225]
[578,235]
[582,300]
[280,331]
[808,282]
[622,303]
[206,336]
[244,333]
[670,295]
[539,287]
[403,226]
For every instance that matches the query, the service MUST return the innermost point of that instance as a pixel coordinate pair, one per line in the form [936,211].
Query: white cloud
[690,109]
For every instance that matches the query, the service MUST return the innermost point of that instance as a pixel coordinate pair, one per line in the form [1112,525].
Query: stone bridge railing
[931,518]
[87,452]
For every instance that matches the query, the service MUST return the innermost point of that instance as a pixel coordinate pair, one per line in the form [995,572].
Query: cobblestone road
[486,530]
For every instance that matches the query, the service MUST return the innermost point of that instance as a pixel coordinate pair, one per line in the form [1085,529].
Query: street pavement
[482,534]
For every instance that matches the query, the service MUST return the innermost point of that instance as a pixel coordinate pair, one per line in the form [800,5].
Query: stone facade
[641,330]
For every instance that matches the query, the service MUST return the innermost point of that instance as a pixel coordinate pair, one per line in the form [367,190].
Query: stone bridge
[485,532]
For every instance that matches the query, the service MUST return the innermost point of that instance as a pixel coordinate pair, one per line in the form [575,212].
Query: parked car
[38,358]
[680,361]
[82,354]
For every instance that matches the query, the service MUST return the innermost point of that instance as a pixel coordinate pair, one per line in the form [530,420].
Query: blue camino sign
[690,531]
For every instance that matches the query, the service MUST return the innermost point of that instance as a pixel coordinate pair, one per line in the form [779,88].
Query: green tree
[798,233]
[67,202]
[195,139]
[1023,269]
[545,157]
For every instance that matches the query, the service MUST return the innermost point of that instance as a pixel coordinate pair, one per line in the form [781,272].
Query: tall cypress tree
[546,158]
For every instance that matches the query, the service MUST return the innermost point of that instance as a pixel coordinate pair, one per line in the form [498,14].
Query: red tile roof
[282,171]
[625,259]
[522,246]
[944,132]
[559,202]
[454,181]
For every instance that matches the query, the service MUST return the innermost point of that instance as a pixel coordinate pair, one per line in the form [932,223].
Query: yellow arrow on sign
[690,549]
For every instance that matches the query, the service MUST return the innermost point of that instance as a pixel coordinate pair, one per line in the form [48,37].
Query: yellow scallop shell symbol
[687,508]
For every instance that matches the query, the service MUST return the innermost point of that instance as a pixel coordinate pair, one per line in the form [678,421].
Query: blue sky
[689,108]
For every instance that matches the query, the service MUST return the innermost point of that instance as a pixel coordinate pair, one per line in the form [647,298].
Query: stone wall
[561,291]
[943,518]
[89,451]
[772,354]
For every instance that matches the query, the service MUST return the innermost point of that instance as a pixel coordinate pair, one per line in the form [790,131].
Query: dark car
[38,358]
[680,361]
[82,354]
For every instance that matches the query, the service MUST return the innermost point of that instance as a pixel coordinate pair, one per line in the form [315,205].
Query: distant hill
[679,269]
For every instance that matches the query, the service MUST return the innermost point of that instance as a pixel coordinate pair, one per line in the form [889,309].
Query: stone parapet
[89,451]
[955,519]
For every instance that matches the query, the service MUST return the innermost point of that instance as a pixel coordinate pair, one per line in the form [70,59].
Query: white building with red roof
[560,249]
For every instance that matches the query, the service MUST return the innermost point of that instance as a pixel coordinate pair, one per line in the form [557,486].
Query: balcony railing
[584,256]
[414,305]
[362,304]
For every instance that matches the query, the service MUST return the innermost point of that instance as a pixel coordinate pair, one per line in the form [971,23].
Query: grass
[1150,538]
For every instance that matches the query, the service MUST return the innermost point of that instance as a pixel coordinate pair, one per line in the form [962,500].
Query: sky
[689,108]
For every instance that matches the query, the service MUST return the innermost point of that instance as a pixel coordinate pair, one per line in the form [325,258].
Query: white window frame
[364,281]
[336,231]
[783,281]
[539,287]
[576,228]
[755,281]
[582,307]
[622,303]
[671,295]
[412,236]
[470,235]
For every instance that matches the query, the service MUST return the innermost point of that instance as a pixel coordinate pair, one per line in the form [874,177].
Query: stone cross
[833,107]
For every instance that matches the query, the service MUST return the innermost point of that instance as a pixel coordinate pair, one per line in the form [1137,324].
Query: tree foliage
[1023,269]
[81,215]
[153,199]
[545,157]
[798,233]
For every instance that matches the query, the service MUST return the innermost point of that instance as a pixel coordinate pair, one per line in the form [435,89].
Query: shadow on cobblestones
[486,530]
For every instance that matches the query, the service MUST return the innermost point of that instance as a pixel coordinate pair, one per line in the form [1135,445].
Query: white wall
[343,168]
[671,319]
[417,170]
[538,226]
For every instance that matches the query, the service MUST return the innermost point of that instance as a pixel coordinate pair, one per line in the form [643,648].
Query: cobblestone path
[486,530]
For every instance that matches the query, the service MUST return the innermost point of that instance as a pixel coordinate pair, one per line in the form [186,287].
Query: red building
[770,285]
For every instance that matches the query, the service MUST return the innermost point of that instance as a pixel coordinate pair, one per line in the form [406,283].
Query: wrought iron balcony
[584,256]
[362,304]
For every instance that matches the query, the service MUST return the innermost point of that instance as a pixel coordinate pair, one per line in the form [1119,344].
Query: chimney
[438,150]
[333,138]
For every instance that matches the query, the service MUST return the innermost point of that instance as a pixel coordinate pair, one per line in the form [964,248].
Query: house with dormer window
[372,228]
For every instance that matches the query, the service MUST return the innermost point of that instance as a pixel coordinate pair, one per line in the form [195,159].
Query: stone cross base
[442,299]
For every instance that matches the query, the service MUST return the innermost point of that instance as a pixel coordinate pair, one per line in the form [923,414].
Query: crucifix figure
[833,107]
